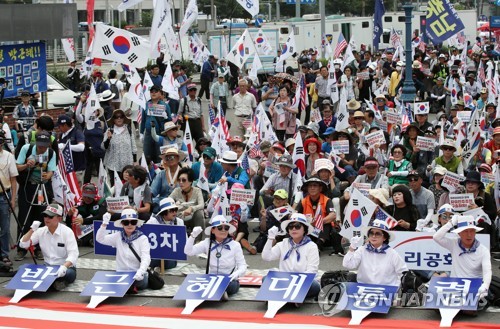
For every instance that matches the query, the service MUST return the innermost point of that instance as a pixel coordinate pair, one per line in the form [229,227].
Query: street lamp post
[409,91]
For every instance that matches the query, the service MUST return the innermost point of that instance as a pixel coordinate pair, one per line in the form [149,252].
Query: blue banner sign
[495,22]
[369,297]
[24,67]
[112,284]
[285,286]
[203,287]
[167,241]
[33,277]
[453,293]
[442,21]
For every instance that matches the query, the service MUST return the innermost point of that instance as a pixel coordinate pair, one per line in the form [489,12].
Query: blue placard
[495,22]
[33,277]
[167,241]
[24,67]
[113,284]
[285,286]
[442,21]
[369,297]
[302,2]
[455,293]
[203,287]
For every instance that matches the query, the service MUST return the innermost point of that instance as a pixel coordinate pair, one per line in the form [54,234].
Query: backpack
[114,89]
[25,175]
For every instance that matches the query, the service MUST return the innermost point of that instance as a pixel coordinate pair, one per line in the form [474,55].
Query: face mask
[337,67]
[398,68]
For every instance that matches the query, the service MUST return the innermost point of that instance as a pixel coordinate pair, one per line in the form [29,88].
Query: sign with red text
[461,202]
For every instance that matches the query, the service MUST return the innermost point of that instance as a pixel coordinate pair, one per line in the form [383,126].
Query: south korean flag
[120,46]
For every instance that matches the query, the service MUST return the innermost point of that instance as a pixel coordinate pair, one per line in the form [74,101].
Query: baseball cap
[53,209]
[43,139]
[282,194]
[63,119]
[89,190]
[210,151]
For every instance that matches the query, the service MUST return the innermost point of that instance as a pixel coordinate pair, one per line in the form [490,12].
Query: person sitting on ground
[225,254]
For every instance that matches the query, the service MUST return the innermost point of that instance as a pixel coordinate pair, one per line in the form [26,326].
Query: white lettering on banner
[374,138]
[166,237]
[242,196]
[451,181]
[210,286]
[370,297]
[426,143]
[461,202]
[37,276]
[430,255]
[452,293]
[293,288]
[99,288]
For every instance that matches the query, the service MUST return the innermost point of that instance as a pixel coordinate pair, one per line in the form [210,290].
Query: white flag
[298,157]
[252,6]
[147,83]
[256,66]
[102,179]
[348,57]
[188,141]
[224,49]
[202,179]
[173,45]
[169,84]
[126,4]
[332,84]
[190,17]
[242,50]
[358,214]
[118,183]
[296,98]
[199,51]
[262,43]
[91,108]
[288,49]
[266,131]
[69,48]
[136,94]
[131,73]
[161,19]
[327,47]
[221,205]
[120,46]
[343,114]
[88,63]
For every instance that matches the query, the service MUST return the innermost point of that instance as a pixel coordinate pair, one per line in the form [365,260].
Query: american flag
[303,94]
[139,116]
[318,219]
[481,73]
[255,151]
[461,37]
[245,164]
[211,114]
[223,122]
[395,39]
[67,170]
[390,222]
[341,45]
[406,117]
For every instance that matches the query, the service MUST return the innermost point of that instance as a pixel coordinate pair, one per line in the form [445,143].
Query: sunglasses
[376,233]
[183,180]
[170,158]
[413,179]
[126,222]
[49,216]
[447,148]
[445,217]
[223,228]
[206,157]
[292,226]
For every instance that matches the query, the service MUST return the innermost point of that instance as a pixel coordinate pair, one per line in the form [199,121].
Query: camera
[40,160]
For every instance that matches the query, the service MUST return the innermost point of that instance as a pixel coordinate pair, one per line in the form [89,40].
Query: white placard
[461,202]
[341,147]
[451,181]
[426,143]
[464,115]
[241,195]
[157,110]
[374,138]
[392,117]
[117,204]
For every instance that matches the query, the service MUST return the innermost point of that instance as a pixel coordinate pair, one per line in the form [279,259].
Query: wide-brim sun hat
[312,140]
[170,150]
[474,177]
[381,225]
[448,142]
[128,214]
[217,221]
[169,125]
[464,223]
[381,194]
[106,95]
[167,204]
[229,157]
[111,121]
[314,179]
[297,218]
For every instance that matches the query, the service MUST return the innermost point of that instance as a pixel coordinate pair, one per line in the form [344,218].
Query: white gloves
[356,242]
[61,145]
[139,276]
[196,231]
[61,271]
[234,276]
[482,292]
[454,220]
[106,218]
[273,231]
[141,137]
[420,225]
[36,224]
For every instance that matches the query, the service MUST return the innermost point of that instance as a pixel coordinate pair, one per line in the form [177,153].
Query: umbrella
[485,27]
[286,76]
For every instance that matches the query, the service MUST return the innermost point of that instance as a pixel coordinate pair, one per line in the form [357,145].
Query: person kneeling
[57,242]
[225,255]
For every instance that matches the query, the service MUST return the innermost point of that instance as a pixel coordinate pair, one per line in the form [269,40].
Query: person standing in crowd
[244,104]
[132,246]
[8,174]
[192,113]
[57,242]
[321,85]
[219,92]
[73,77]
[297,252]
[117,88]
[184,81]
[155,76]
[99,84]
[226,255]
[207,75]
[36,164]
[76,139]
[153,117]
[24,112]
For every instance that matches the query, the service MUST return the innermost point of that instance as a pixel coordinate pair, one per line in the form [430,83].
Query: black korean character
[132,58]
[109,33]
[106,50]
[363,211]
[355,202]
[135,41]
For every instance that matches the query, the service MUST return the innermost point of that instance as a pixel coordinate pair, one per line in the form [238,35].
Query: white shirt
[244,104]
[125,259]
[470,265]
[8,168]
[309,256]
[374,268]
[231,260]
[57,248]
[119,86]
[154,220]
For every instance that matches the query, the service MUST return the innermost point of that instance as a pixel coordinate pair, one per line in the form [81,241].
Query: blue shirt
[156,79]
[242,178]
[205,72]
[183,88]
[214,173]
[146,119]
